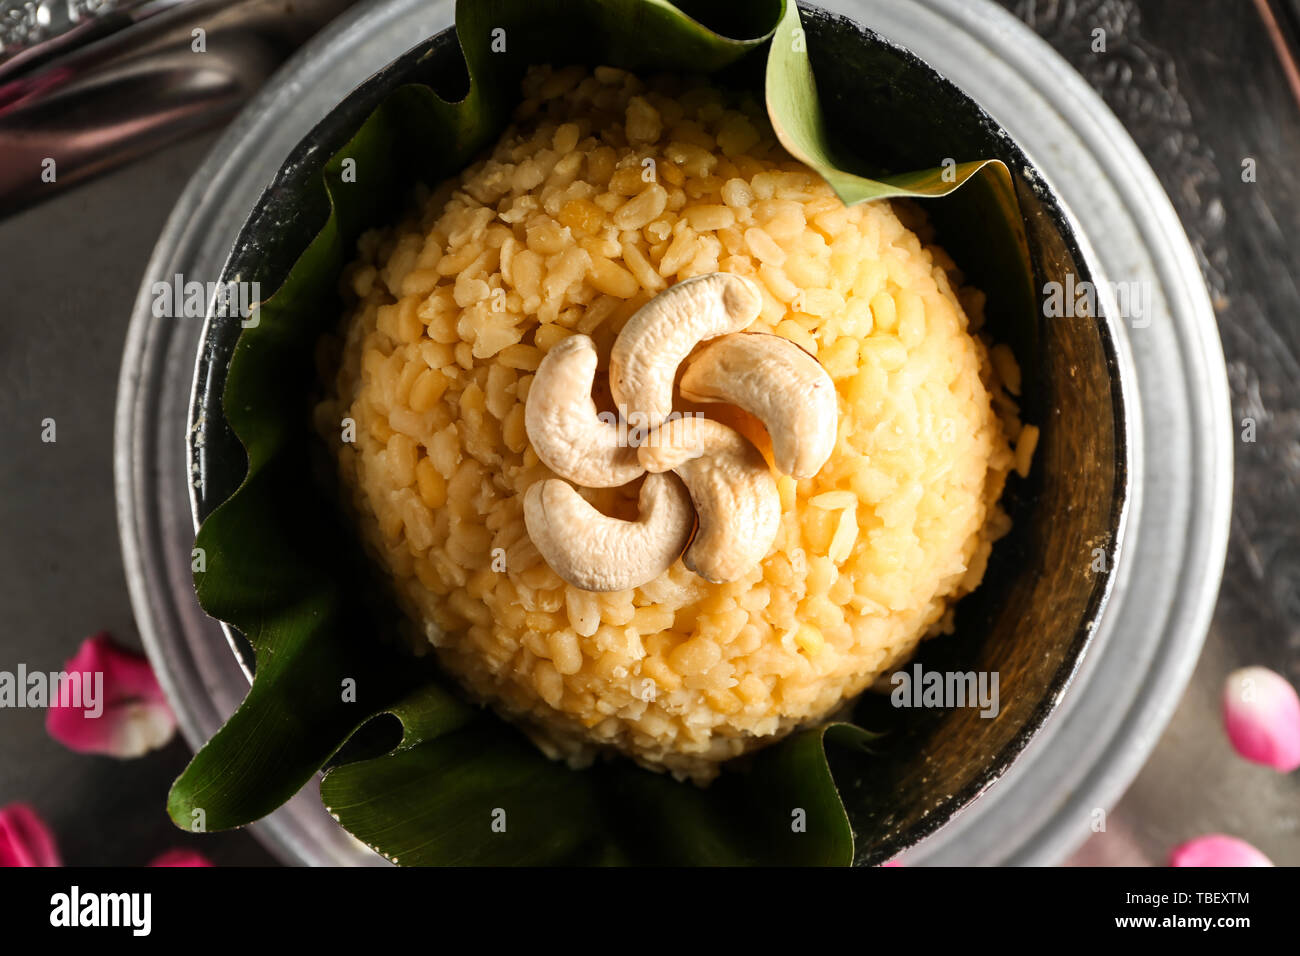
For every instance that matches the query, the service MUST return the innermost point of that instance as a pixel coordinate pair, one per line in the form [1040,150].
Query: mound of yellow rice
[604,191]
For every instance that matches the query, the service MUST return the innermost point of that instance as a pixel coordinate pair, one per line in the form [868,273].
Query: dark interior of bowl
[1032,618]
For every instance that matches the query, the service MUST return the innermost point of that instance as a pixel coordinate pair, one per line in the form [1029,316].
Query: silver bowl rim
[225,152]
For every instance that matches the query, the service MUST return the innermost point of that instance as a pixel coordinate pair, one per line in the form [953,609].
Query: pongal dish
[665,450]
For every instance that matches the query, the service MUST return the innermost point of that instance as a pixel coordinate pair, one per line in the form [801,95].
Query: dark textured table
[1203,89]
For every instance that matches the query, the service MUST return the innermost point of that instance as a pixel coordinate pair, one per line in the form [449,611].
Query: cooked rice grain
[604,192]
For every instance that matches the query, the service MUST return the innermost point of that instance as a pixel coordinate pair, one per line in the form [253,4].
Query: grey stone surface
[69,271]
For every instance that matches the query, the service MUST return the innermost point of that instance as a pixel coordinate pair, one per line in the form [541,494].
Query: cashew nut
[644,360]
[779,384]
[595,552]
[732,487]
[562,424]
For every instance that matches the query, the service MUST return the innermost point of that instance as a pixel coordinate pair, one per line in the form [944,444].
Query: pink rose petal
[25,840]
[1261,713]
[1216,849]
[181,858]
[122,713]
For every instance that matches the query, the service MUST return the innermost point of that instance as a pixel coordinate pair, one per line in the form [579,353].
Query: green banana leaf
[462,786]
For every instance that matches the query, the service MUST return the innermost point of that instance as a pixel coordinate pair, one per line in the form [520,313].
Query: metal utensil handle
[156,80]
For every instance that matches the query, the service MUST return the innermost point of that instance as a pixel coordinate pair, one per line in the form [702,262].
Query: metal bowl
[1041,604]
